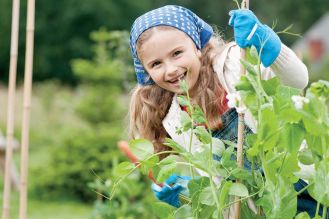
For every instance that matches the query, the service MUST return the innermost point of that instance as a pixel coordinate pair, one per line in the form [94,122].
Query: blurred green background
[82,77]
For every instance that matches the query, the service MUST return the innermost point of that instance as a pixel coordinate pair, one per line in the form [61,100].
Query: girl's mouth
[175,81]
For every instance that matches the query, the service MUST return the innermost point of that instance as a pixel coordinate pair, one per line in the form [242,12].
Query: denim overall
[230,132]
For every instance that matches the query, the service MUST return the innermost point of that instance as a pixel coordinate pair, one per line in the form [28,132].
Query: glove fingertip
[230,22]
[177,187]
[231,13]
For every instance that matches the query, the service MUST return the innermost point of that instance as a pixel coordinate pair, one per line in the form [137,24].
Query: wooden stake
[11,107]
[239,157]
[26,110]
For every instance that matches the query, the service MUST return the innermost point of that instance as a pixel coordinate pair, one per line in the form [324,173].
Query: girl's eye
[154,64]
[177,52]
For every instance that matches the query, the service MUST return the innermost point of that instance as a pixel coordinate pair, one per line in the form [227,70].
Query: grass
[50,209]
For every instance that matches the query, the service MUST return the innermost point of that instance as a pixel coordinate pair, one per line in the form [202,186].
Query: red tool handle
[124,147]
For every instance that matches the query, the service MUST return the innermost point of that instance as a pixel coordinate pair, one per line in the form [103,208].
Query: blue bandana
[170,15]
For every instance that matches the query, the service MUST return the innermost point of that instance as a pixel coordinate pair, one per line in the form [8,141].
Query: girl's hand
[173,186]
[248,31]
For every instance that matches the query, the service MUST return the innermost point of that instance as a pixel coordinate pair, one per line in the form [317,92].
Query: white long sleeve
[290,69]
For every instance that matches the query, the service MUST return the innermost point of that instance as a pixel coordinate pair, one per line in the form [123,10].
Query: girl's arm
[287,66]
[290,69]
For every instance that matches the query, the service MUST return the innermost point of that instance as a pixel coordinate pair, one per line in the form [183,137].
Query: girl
[170,44]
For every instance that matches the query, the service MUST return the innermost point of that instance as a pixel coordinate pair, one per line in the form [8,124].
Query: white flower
[234,100]
[299,101]
[241,109]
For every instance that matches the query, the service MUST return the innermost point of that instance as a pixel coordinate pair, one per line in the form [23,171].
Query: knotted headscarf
[171,15]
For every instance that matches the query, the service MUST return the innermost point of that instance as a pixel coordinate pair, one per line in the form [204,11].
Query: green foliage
[110,63]
[103,77]
[126,204]
[73,164]
[100,105]
[285,120]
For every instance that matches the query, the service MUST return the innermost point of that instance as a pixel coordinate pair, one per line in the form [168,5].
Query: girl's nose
[171,70]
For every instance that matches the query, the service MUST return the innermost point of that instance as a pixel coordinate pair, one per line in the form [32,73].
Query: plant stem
[303,189]
[324,212]
[192,123]
[283,160]
[317,209]
[213,190]
[241,199]
[118,181]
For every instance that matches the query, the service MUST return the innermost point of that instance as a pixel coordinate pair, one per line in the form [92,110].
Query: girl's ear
[198,53]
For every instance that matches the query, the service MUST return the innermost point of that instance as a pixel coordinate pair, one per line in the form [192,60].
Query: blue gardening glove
[249,31]
[173,186]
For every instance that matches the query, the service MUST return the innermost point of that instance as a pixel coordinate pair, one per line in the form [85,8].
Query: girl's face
[169,56]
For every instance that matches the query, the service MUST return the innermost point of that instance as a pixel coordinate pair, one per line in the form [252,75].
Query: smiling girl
[170,44]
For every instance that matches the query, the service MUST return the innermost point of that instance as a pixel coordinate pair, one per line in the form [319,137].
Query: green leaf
[249,67]
[184,211]
[163,210]
[315,116]
[305,156]
[282,97]
[185,120]
[251,146]
[268,133]
[224,192]
[198,116]
[271,164]
[207,212]
[320,88]
[202,159]
[244,85]
[229,143]
[279,200]
[195,188]
[123,169]
[166,171]
[320,188]
[218,147]
[270,86]
[289,166]
[227,160]
[182,100]
[303,215]
[206,197]
[289,114]
[247,213]
[203,135]
[168,160]
[141,148]
[252,55]
[240,173]
[314,144]
[291,137]
[250,99]
[238,189]
[174,145]
[183,86]
[148,164]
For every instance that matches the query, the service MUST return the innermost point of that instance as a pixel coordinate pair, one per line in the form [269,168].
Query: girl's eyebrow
[172,51]
[176,48]
[150,63]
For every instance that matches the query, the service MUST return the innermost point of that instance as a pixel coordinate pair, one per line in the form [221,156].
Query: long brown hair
[150,104]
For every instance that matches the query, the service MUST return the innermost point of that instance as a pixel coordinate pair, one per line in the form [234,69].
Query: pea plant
[292,132]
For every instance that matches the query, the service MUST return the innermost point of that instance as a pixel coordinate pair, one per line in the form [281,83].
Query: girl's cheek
[156,75]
